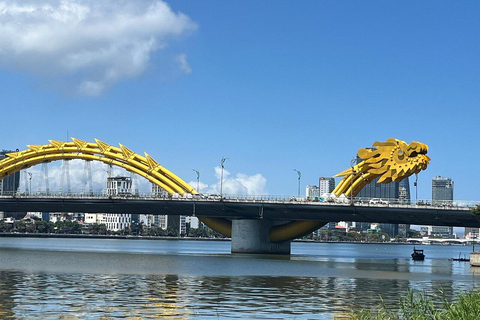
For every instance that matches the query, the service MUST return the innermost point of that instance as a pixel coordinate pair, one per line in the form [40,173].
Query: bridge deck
[248,209]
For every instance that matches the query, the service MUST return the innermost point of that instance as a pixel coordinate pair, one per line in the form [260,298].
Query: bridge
[442,240]
[255,225]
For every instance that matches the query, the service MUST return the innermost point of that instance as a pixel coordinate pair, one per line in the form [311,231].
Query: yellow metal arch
[144,166]
[123,157]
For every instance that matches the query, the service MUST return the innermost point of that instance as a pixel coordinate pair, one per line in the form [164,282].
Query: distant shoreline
[102,236]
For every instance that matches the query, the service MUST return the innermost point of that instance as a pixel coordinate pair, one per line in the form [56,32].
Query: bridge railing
[358,201]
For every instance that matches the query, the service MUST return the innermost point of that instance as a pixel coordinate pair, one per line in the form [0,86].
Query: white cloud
[241,184]
[184,66]
[78,180]
[93,44]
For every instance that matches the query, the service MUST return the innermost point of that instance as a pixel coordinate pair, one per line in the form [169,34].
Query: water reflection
[91,296]
[36,282]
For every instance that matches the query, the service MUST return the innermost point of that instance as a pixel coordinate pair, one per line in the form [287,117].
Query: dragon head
[392,160]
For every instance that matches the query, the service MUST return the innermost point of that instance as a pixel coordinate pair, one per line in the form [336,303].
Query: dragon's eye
[413,154]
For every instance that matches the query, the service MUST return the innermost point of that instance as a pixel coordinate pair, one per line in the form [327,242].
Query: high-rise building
[158,192]
[437,231]
[117,186]
[326,185]
[312,192]
[472,233]
[10,184]
[404,195]
[386,191]
[442,193]
[442,190]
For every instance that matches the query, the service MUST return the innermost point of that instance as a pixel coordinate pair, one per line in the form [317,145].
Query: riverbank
[131,237]
[103,236]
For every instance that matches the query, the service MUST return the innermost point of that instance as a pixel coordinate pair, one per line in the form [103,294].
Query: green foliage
[157,232]
[417,306]
[476,210]
[328,235]
[412,233]
[172,232]
[73,227]
[198,232]
[97,228]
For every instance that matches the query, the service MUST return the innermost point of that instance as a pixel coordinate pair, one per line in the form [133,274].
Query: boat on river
[464,258]
[418,254]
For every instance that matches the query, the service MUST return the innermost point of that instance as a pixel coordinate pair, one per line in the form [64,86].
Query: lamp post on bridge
[299,177]
[415,184]
[198,179]
[30,179]
[221,178]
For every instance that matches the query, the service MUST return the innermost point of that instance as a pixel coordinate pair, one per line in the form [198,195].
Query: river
[173,279]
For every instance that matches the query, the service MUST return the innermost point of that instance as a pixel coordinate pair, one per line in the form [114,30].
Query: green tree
[476,210]
[198,232]
[172,232]
[19,226]
[96,228]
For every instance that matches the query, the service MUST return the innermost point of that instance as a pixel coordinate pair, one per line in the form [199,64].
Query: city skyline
[254,84]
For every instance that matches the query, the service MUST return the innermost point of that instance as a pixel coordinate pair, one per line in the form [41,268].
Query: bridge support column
[252,236]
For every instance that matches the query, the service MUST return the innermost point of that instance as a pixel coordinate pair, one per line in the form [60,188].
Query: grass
[417,306]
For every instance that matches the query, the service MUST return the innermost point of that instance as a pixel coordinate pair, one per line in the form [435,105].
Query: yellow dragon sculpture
[392,160]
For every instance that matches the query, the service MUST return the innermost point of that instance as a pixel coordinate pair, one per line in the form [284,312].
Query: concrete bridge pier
[252,236]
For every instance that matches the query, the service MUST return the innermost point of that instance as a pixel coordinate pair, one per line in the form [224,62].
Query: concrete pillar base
[252,236]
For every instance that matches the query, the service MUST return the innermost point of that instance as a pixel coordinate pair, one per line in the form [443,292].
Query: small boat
[418,254]
[460,258]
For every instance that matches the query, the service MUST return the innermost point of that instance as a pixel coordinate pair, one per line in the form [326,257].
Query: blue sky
[271,85]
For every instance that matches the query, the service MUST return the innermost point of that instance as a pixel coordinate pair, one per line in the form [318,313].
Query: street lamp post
[299,177]
[30,180]
[221,178]
[198,179]
[415,184]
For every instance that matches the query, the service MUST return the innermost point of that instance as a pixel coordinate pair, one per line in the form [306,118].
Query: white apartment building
[312,192]
[194,222]
[118,186]
[158,192]
[326,185]
[436,231]
[94,218]
[116,221]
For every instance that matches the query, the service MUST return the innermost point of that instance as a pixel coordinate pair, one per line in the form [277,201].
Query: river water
[172,279]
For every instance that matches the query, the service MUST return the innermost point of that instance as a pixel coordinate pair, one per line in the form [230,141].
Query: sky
[271,85]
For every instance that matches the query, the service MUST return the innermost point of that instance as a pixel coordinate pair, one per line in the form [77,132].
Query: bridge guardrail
[455,204]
